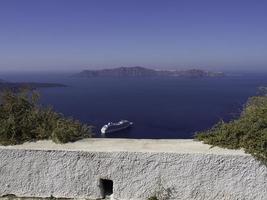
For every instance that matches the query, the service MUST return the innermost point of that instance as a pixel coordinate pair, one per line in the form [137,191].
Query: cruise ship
[113,127]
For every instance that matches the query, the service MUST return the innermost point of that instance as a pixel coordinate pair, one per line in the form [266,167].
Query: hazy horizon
[68,35]
[73,71]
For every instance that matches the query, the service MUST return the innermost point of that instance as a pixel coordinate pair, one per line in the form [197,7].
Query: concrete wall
[31,172]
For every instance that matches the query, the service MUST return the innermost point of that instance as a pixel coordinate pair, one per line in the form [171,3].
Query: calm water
[159,107]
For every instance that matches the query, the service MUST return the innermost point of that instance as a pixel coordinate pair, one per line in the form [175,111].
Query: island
[32,85]
[146,72]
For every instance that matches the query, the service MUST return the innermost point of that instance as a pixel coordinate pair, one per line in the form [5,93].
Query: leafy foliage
[22,119]
[153,198]
[161,193]
[248,132]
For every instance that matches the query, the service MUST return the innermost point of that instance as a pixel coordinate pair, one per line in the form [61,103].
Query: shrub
[248,132]
[153,198]
[22,119]
[161,193]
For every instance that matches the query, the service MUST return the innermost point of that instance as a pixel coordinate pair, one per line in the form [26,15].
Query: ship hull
[104,131]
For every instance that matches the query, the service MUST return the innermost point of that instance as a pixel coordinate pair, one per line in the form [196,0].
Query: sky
[167,34]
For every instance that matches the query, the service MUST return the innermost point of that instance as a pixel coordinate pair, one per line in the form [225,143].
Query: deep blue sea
[159,107]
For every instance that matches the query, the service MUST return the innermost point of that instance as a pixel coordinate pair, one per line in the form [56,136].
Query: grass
[248,132]
[13,197]
[23,119]
[153,198]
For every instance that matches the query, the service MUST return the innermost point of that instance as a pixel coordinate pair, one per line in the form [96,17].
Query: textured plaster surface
[163,167]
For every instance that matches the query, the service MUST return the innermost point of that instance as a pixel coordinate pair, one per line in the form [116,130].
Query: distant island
[32,85]
[146,72]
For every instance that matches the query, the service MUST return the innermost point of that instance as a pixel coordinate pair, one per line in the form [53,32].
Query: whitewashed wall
[77,174]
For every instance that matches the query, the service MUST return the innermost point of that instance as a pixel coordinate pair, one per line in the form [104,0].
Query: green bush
[248,132]
[153,198]
[22,119]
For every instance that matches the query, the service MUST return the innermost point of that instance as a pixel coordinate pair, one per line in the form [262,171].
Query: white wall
[76,174]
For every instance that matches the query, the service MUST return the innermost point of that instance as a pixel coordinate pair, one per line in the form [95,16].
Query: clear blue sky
[78,34]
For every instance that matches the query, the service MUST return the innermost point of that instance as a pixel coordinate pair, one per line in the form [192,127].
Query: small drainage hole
[106,187]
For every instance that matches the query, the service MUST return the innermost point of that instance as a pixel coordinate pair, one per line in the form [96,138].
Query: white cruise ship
[113,127]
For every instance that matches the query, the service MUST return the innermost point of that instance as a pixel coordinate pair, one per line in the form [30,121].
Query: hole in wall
[106,187]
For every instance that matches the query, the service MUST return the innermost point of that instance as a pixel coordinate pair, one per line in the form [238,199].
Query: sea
[160,108]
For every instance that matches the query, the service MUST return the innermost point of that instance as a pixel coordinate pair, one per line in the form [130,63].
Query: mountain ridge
[139,71]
